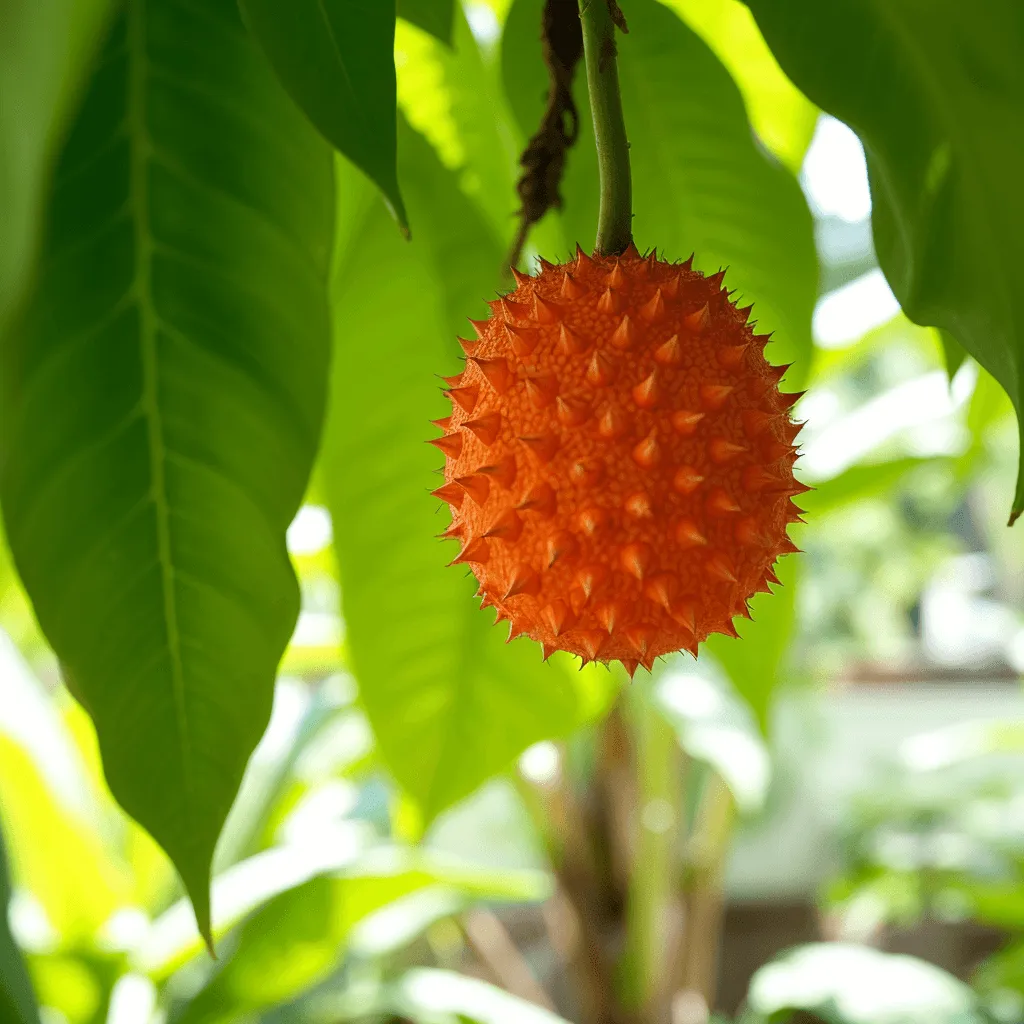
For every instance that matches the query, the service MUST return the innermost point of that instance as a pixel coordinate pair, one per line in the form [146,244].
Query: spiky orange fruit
[619,458]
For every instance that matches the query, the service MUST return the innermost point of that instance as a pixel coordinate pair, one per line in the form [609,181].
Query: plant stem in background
[615,217]
[704,892]
[654,929]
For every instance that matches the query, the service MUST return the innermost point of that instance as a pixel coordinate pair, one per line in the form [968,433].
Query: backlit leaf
[17,1002]
[756,663]
[450,704]
[46,53]
[453,96]
[936,94]
[336,59]
[781,115]
[295,939]
[162,404]
[434,16]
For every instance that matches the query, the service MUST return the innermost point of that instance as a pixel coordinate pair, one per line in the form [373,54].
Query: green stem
[615,217]
[652,885]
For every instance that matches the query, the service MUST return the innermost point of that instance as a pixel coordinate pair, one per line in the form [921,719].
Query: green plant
[209,316]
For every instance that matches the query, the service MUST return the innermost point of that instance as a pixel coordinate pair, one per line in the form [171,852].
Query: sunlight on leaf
[449,702]
[46,50]
[856,985]
[162,404]
[932,107]
[335,58]
[781,115]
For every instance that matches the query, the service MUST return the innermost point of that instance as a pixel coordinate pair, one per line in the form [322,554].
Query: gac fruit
[619,458]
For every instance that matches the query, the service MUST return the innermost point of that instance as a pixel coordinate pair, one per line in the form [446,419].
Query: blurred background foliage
[437,828]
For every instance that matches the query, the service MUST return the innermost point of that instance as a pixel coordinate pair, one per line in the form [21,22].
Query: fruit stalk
[615,216]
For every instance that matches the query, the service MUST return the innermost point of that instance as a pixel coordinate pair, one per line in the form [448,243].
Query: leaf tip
[198,889]
[396,207]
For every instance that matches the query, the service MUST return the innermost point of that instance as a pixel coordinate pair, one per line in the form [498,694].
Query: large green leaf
[450,704]
[700,181]
[865,480]
[336,59]
[453,96]
[936,93]
[294,940]
[756,663]
[17,1001]
[162,404]
[434,16]
[782,116]
[46,50]
[59,858]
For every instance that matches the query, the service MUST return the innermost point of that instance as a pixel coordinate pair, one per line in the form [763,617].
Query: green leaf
[702,184]
[434,16]
[428,995]
[850,984]
[17,1001]
[953,353]
[782,116]
[46,51]
[700,181]
[450,704]
[432,994]
[237,892]
[1002,971]
[336,59]
[58,853]
[453,97]
[933,105]
[860,482]
[163,401]
[756,663]
[716,726]
[294,941]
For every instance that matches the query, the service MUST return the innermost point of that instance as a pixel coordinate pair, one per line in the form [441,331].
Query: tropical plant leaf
[46,51]
[60,857]
[952,353]
[938,105]
[453,96]
[830,979]
[865,480]
[449,703]
[434,16]
[294,940]
[239,891]
[17,1001]
[716,726]
[700,182]
[163,401]
[756,663]
[426,993]
[336,59]
[782,116]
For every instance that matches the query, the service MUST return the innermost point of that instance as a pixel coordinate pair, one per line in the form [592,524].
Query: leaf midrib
[140,151]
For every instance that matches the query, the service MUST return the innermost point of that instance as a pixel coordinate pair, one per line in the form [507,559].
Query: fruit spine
[619,458]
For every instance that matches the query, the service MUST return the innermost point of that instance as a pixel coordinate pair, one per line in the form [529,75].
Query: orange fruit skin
[619,459]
